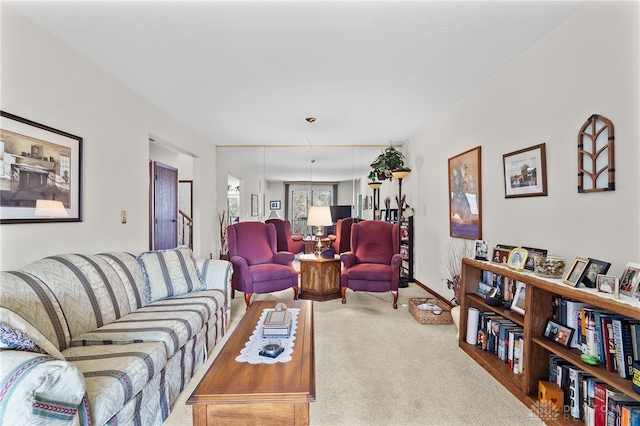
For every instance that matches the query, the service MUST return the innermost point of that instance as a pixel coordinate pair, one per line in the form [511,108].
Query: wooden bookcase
[406,247]
[537,348]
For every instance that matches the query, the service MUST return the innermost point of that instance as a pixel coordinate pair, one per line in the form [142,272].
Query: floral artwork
[465,195]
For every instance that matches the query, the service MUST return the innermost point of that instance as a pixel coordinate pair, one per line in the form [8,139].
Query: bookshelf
[406,248]
[538,308]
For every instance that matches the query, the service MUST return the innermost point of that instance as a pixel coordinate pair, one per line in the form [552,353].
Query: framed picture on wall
[465,206]
[525,172]
[274,205]
[254,205]
[43,167]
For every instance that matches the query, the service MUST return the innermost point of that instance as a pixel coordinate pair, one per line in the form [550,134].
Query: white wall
[587,65]
[47,82]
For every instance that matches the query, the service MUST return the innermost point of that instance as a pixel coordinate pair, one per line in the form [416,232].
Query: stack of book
[503,338]
[277,324]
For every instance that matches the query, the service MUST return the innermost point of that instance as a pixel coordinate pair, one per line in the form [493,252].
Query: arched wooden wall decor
[596,155]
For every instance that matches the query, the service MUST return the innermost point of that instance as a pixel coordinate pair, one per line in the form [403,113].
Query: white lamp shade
[50,208]
[274,215]
[319,216]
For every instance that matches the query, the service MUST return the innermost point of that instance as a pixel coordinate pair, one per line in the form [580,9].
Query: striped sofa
[111,338]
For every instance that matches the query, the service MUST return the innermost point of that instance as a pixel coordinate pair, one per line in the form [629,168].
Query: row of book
[590,399]
[502,337]
[612,338]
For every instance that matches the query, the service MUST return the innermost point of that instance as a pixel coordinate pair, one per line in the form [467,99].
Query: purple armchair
[257,266]
[286,241]
[342,239]
[374,262]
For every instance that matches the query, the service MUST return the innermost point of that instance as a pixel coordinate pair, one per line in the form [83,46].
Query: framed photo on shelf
[482,250]
[558,333]
[500,255]
[485,290]
[43,171]
[609,284]
[517,259]
[594,268]
[274,205]
[517,304]
[465,195]
[525,172]
[533,252]
[630,279]
[576,272]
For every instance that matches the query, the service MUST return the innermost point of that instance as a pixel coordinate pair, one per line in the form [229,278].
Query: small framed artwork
[254,205]
[609,284]
[42,172]
[274,205]
[500,255]
[533,252]
[525,172]
[485,290]
[517,259]
[558,333]
[576,272]
[630,279]
[482,250]
[594,268]
[519,296]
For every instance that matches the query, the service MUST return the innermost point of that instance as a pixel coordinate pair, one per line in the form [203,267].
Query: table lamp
[319,216]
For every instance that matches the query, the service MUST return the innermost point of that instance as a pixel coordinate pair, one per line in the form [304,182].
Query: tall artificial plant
[452,263]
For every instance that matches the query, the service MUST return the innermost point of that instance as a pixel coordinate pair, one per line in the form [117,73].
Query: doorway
[164,207]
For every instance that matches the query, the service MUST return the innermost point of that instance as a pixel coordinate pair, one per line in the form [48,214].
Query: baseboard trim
[435,294]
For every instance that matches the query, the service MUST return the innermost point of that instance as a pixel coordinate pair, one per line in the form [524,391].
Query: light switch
[123,216]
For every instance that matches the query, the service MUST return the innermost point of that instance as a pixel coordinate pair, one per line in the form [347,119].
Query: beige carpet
[379,366]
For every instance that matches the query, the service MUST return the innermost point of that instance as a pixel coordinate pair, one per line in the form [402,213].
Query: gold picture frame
[465,195]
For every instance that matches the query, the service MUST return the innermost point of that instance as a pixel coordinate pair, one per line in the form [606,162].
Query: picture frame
[500,255]
[525,172]
[630,279]
[482,250]
[533,252]
[574,275]
[517,258]
[558,333]
[519,298]
[594,268]
[27,149]
[609,284]
[485,290]
[465,195]
[254,205]
[274,205]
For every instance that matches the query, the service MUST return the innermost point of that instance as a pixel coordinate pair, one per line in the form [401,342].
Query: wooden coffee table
[237,393]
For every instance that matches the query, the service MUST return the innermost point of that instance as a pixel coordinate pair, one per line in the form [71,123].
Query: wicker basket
[427,316]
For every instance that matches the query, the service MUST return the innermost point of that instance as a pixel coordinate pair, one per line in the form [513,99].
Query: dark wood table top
[228,380]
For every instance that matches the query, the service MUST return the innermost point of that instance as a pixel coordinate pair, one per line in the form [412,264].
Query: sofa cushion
[86,286]
[169,273]
[28,305]
[130,272]
[171,321]
[115,374]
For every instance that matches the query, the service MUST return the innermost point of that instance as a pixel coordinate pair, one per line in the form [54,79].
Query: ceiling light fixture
[310,119]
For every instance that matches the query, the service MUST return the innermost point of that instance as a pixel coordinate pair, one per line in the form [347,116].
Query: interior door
[165,206]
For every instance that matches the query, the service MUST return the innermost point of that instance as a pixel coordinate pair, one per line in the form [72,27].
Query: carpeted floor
[379,366]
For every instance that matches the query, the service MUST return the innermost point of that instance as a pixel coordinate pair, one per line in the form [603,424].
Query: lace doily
[251,350]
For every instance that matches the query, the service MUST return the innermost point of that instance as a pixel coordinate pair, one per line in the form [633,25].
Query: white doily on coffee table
[251,350]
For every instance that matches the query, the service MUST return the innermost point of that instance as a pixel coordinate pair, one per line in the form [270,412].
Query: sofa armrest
[216,275]
[40,390]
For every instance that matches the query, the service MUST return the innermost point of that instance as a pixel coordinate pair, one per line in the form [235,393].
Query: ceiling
[250,72]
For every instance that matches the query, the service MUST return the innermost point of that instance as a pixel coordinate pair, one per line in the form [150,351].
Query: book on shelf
[624,347]
[590,408]
[576,393]
[635,340]
[573,319]
[615,402]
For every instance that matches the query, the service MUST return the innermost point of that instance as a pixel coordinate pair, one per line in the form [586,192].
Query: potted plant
[390,159]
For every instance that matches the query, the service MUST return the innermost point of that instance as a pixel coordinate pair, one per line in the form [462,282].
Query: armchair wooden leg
[233,292]
[247,299]
[395,299]
[295,292]
[343,291]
